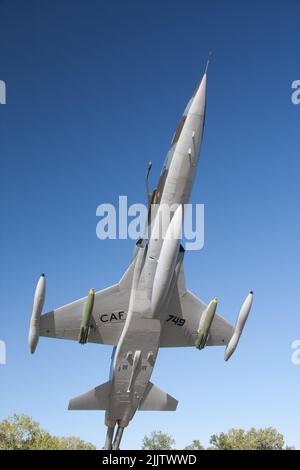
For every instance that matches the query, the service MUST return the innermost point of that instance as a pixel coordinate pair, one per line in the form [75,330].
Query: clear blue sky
[94,91]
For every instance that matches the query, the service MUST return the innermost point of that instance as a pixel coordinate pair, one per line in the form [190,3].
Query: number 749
[177,320]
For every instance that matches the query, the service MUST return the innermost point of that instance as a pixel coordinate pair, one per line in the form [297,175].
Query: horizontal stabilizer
[157,400]
[95,399]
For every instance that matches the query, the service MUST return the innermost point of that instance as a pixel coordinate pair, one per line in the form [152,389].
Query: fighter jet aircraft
[150,307]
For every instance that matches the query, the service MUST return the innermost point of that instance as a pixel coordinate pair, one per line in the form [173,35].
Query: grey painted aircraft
[150,307]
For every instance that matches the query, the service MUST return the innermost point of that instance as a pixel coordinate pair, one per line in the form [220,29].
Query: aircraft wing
[109,311]
[182,320]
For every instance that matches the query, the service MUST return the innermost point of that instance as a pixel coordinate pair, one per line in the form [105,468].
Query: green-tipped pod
[205,324]
[86,318]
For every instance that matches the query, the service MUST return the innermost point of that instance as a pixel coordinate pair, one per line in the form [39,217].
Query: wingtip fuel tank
[38,303]
[242,318]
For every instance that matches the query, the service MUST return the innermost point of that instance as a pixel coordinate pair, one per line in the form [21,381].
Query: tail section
[98,399]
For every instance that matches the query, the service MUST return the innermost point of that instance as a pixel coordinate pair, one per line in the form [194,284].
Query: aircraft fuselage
[137,349]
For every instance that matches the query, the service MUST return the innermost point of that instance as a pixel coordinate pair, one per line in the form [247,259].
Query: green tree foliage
[234,439]
[195,445]
[158,441]
[254,439]
[20,432]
